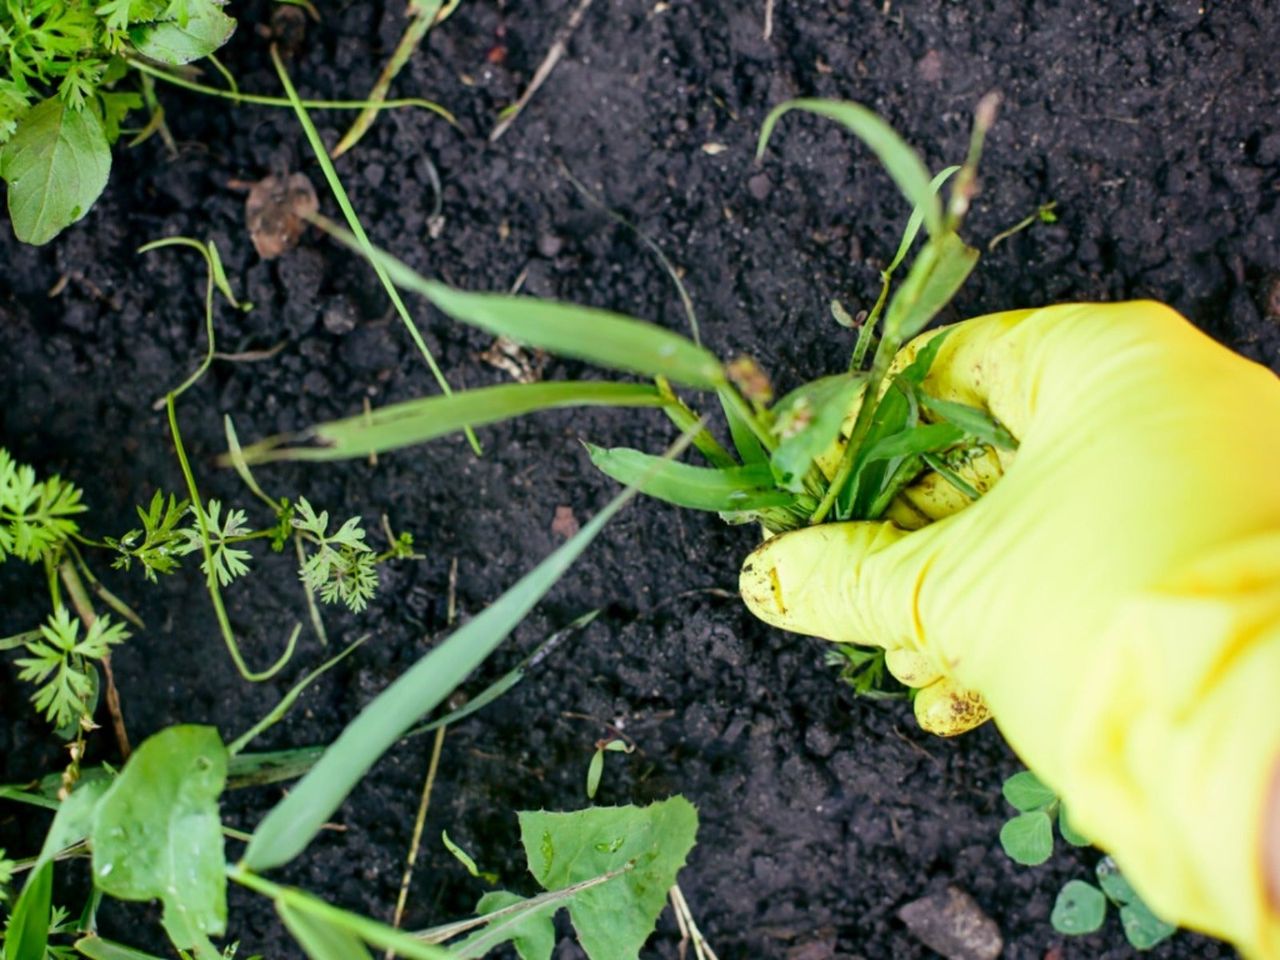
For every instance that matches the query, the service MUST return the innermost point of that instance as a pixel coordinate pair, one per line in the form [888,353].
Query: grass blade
[585,333]
[902,163]
[292,823]
[935,277]
[729,490]
[417,421]
[353,221]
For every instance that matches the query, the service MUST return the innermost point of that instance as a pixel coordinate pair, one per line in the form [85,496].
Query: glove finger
[911,667]
[947,709]
[847,582]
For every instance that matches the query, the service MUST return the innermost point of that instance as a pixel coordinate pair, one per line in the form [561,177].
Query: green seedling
[1028,837]
[1081,908]
[595,770]
[844,447]
[63,99]
[611,867]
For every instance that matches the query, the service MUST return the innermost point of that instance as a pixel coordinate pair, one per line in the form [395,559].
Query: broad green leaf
[613,920]
[1142,928]
[935,277]
[157,835]
[1028,838]
[1025,792]
[320,939]
[95,948]
[177,43]
[1070,833]
[533,935]
[417,421]
[973,421]
[902,163]
[730,490]
[1113,882]
[925,438]
[73,821]
[27,931]
[56,164]
[1079,909]
[291,824]
[810,419]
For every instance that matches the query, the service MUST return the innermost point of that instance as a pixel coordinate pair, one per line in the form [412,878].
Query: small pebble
[759,186]
[952,923]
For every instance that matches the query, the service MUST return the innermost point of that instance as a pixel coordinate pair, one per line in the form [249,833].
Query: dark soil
[1152,124]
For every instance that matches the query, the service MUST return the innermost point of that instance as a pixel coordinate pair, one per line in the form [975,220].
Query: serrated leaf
[1025,792]
[177,43]
[614,919]
[1028,838]
[56,165]
[732,489]
[1142,928]
[1079,909]
[157,835]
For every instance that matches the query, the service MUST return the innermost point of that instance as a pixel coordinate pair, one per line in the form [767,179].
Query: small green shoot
[595,770]
[1081,908]
[1028,838]
[466,860]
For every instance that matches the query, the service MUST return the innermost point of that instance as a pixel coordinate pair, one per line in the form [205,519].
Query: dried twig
[558,47]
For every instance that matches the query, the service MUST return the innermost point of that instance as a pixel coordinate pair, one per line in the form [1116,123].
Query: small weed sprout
[1081,907]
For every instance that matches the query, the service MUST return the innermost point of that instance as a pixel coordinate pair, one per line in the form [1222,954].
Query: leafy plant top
[60,61]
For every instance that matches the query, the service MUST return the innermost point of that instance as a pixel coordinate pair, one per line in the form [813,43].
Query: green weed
[1081,907]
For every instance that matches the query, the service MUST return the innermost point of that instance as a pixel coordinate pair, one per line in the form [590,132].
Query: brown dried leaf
[276,212]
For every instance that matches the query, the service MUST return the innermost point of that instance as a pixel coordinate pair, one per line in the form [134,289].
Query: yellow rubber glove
[1113,601]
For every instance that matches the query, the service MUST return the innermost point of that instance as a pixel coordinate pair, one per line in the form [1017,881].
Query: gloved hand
[1113,601]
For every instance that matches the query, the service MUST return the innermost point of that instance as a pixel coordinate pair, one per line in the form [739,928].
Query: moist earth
[1153,127]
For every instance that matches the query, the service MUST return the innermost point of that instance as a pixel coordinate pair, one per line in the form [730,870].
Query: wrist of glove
[1113,601]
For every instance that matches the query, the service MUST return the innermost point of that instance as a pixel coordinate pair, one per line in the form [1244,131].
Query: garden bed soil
[1153,126]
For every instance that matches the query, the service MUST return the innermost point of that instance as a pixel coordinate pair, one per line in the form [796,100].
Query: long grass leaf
[353,221]
[730,490]
[935,277]
[902,163]
[417,421]
[293,822]
[585,333]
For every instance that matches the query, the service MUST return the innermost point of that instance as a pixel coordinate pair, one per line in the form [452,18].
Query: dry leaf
[276,213]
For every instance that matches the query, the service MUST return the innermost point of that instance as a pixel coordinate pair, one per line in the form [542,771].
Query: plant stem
[264,101]
[423,15]
[84,609]
[211,580]
[416,842]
